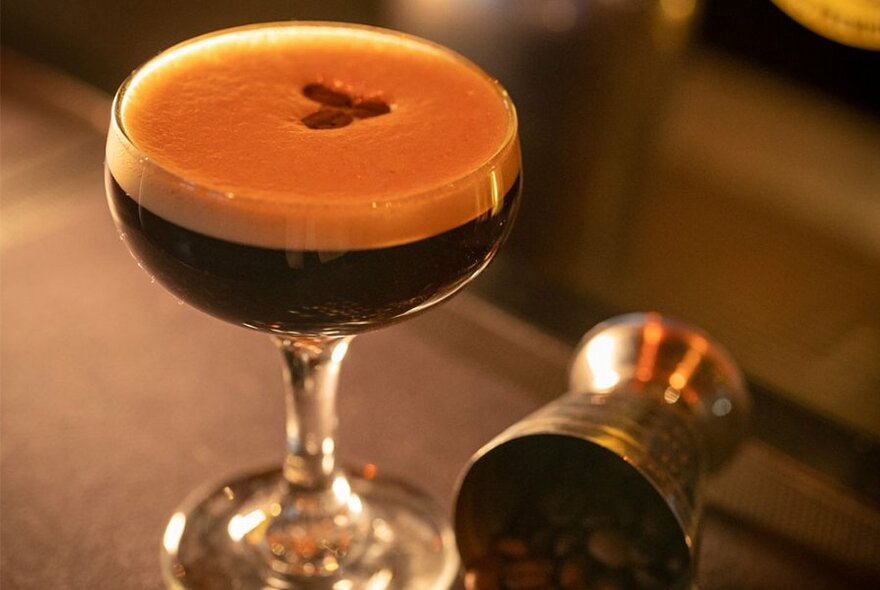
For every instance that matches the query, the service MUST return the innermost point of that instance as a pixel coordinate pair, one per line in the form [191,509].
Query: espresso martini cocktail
[312,181]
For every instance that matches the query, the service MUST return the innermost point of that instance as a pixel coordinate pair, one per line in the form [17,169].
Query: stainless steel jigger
[654,405]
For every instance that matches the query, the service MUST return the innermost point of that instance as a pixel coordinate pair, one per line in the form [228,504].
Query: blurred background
[713,160]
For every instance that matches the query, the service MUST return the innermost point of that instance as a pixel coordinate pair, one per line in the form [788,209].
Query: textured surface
[117,402]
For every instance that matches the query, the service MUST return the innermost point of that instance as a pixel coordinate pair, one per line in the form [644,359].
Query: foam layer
[209,135]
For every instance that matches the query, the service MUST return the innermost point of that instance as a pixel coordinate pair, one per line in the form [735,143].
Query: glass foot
[222,538]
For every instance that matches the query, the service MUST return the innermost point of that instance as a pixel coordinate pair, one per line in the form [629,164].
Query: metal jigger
[654,405]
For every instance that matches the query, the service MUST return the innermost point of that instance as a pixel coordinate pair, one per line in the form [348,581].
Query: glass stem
[311,372]
[318,521]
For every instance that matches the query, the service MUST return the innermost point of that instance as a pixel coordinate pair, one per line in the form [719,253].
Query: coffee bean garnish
[326,96]
[327,119]
[339,109]
[370,108]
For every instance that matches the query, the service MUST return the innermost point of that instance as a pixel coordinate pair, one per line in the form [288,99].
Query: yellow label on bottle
[852,22]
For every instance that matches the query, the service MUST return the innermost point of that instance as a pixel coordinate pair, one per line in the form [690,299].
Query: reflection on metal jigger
[602,487]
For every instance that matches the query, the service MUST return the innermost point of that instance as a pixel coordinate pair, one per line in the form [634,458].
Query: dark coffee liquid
[308,293]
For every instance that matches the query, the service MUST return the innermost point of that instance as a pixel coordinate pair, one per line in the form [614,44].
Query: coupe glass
[310,523]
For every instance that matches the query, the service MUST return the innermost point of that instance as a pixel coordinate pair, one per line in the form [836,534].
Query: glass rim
[484,169]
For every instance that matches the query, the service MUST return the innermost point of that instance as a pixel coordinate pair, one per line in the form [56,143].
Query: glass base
[218,539]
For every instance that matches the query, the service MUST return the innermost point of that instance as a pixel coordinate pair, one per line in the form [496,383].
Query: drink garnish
[326,96]
[370,108]
[327,119]
[340,108]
